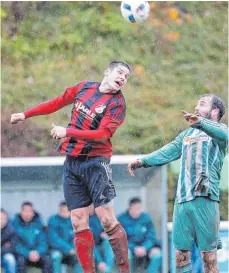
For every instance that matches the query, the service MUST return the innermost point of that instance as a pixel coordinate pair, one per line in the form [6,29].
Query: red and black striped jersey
[91,110]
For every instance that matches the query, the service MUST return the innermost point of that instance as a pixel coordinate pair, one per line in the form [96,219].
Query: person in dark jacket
[31,246]
[8,239]
[141,235]
[104,256]
[61,237]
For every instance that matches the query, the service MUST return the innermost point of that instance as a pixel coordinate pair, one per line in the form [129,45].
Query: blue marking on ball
[126,6]
[131,18]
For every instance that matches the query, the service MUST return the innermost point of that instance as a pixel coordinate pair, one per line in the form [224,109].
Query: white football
[135,11]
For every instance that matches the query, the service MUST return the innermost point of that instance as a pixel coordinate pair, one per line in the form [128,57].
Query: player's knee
[79,220]
[183,257]
[108,222]
[107,216]
[209,257]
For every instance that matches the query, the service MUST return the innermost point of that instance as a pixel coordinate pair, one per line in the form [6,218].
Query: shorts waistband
[84,158]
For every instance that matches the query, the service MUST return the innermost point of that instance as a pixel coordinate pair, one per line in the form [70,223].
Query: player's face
[64,212]
[204,107]
[135,210]
[27,213]
[4,219]
[117,77]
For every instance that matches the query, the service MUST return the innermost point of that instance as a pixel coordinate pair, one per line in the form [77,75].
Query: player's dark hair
[217,103]
[113,64]
[135,200]
[62,204]
[26,203]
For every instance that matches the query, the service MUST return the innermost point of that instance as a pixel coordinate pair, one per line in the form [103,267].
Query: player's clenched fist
[17,117]
[133,166]
[58,132]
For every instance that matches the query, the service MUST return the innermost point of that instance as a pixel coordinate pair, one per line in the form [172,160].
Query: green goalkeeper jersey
[202,149]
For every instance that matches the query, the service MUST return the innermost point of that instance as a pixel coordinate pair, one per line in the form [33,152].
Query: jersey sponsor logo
[193,139]
[84,110]
[99,109]
[187,140]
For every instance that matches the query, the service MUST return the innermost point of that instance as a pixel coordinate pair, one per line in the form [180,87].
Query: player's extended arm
[47,107]
[98,135]
[166,154]
[43,108]
[214,129]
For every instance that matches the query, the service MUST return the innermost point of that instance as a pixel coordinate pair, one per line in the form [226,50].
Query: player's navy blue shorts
[86,181]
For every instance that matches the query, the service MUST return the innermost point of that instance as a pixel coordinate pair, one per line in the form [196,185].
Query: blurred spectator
[8,239]
[31,246]
[61,237]
[104,257]
[141,235]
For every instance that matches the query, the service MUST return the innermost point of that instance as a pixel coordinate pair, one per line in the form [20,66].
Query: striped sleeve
[216,130]
[115,115]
